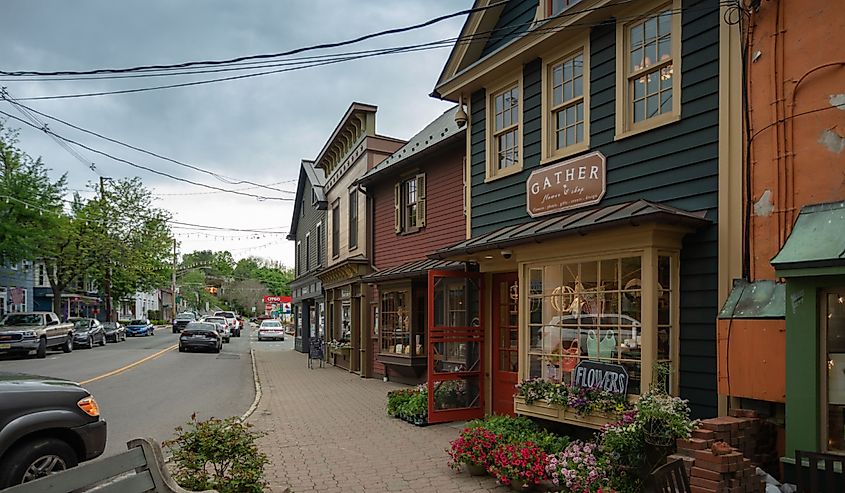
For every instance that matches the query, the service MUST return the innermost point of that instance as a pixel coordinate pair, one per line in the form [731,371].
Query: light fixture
[488,257]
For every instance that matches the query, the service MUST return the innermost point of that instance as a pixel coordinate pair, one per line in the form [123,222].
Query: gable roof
[442,130]
[310,173]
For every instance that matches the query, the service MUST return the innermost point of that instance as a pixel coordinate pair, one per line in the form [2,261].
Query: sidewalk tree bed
[618,458]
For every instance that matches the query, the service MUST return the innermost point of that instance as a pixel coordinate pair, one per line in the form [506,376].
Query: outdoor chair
[671,478]
[813,479]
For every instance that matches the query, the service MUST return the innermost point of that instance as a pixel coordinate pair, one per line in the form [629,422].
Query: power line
[146,168]
[261,56]
[21,107]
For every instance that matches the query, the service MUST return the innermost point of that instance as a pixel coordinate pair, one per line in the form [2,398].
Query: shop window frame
[549,109]
[413,330]
[649,259]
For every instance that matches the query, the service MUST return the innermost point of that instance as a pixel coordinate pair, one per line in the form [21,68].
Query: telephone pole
[173,282]
[107,283]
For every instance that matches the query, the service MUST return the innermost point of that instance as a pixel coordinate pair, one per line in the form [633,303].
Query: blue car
[140,327]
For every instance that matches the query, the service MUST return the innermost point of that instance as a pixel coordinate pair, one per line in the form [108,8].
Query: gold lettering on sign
[567,185]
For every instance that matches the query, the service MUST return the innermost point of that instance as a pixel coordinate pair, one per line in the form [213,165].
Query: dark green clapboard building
[592,182]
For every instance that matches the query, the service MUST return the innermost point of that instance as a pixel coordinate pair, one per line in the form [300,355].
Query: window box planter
[563,414]
[343,351]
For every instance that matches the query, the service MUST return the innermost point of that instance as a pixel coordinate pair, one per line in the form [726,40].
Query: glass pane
[650,54]
[578,84]
[637,35]
[535,337]
[650,29]
[664,275]
[567,91]
[651,106]
[666,101]
[455,357]
[579,132]
[833,317]
[557,75]
[664,48]
[636,59]
[578,63]
[639,110]
[665,23]
[457,394]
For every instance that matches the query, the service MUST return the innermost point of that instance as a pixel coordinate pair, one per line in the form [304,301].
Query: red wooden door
[505,341]
[455,343]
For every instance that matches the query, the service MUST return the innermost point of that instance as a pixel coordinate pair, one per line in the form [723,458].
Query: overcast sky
[257,129]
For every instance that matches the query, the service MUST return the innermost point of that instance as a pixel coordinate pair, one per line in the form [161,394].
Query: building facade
[788,303]
[308,231]
[417,206]
[593,175]
[352,149]
[16,287]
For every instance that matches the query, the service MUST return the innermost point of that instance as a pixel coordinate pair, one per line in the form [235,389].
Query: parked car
[46,425]
[115,331]
[225,327]
[271,329]
[34,331]
[234,324]
[87,332]
[201,335]
[182,320]
[140,327]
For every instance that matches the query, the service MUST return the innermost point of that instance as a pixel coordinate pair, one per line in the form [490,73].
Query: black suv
[46,425]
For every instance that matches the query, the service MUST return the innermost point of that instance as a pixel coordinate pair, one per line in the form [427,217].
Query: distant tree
[26,230]
[244,295]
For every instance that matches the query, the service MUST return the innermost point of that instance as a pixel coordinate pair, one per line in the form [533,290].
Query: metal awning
[758,299]
[817,239]
[417,268]
[581,222]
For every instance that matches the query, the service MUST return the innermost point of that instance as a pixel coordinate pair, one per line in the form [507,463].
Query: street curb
[257,384]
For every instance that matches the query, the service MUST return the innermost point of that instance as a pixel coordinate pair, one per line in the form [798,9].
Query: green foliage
[219,454]
[26,233]
[519,430]
[408,403]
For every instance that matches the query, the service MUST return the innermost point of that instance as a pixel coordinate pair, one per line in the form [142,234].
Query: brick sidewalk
[328,432]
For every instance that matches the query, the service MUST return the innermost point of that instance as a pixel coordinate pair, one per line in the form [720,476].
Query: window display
[833,320]
[593,310]
[400,329]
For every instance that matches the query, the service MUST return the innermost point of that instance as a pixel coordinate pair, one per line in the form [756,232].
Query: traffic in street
[145,387]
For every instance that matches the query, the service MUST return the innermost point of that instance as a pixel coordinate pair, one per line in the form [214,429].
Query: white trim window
[554,7]
[567,102]
[648,64]
[505,126]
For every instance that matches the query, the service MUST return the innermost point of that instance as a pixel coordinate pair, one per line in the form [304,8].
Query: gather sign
[577,182]
[607,376]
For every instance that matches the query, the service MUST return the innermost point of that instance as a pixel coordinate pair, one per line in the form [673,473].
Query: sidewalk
[328,432]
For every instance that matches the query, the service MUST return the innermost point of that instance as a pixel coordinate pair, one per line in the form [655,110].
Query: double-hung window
[566,102]
[554,7]
[353,219]
[319,242]
[307,251]
[504,138]
[336,229]
[409,204]
[648,63]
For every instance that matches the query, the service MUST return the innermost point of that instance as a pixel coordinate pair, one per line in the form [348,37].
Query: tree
[31,205]
[244,295]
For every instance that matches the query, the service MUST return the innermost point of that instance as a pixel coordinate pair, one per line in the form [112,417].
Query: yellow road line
[129,366]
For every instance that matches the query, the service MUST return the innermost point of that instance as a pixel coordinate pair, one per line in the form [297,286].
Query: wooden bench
[670,478]
[141,469]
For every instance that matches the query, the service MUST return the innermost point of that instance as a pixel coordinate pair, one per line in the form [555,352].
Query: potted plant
[578,468]
[522,466]
[471,450]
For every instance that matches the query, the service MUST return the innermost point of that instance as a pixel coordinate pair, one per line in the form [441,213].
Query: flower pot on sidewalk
[475,469]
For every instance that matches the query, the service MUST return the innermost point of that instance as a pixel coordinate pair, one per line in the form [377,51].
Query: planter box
[341,351]
[562,414]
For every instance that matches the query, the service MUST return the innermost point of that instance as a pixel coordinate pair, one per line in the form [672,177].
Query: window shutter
[397,207]
[421,200]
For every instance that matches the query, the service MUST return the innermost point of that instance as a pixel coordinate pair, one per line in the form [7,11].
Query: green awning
[758,299]
[817,239]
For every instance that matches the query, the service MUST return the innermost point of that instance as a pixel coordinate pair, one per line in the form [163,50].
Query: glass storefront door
[832,319]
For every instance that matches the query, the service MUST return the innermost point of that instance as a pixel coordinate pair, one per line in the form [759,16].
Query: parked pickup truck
[34,331]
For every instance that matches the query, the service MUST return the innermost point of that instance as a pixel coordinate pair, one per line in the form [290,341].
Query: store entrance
[505,312]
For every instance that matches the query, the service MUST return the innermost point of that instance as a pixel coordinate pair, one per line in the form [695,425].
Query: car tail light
[89,405]
[211,335]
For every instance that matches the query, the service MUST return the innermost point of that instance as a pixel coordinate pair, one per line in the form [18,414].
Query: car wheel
[34,459]
[181,349]
[90,342]
[41,352]
[218,348]
[68,345]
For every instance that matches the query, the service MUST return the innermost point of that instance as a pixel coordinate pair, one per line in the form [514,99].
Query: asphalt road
[145,387]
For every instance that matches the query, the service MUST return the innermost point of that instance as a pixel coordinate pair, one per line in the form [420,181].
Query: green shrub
[219,454]
[519,430]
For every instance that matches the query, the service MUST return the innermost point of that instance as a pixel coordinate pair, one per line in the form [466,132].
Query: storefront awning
[412,269]
[580,222]
[758,299]
[817,241]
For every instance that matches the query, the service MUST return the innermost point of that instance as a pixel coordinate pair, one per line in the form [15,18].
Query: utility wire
[146,168]
[231,181]
[262,56]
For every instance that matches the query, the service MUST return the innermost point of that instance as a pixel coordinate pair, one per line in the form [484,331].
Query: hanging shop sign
[574,183]
[610,377]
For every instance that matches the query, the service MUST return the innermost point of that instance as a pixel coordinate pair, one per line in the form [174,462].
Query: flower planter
[553,412]
[475,469]
[520,485]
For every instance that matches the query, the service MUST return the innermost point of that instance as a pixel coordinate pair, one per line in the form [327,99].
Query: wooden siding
[676,164]
[307,223]
[516,18]
[445,222]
